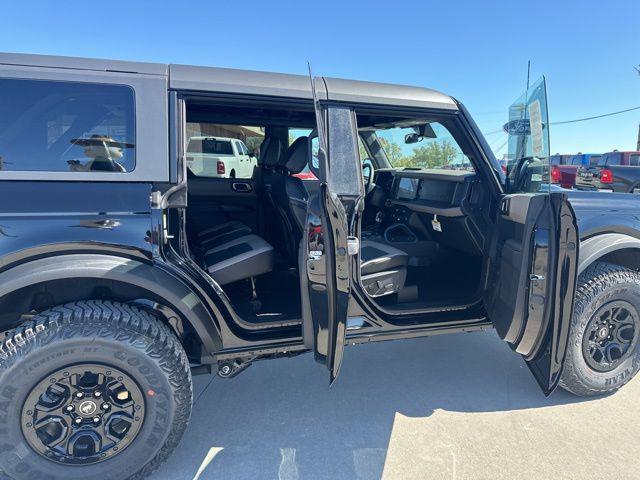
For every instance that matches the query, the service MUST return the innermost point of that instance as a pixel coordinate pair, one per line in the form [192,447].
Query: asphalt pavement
[460,406]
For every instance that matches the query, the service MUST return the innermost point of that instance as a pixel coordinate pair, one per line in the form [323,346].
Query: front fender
[598,246]
[150,277]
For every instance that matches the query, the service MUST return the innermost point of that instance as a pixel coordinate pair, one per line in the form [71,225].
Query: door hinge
[353,245]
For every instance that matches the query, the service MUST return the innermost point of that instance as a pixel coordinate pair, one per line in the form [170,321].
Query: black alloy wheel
[603,351]
[91,389]
[83,414]
[611,336]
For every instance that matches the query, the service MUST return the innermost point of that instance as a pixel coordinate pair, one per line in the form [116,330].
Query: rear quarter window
[593,160]
[610,159]
[58,126]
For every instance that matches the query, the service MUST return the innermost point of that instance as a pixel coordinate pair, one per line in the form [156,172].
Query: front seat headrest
[270,151]
[297,155]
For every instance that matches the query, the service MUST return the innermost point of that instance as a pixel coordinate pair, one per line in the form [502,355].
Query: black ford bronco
[130,258]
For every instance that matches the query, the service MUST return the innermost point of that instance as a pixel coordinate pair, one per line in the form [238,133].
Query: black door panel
[217,200]
[533,271]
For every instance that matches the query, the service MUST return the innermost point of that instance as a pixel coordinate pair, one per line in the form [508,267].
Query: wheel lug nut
[96,419]
[79,394]
[78,421]
[105,406]
[97,394]
[69,408]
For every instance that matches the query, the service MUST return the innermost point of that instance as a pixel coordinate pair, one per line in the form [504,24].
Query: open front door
[327,245]
[533,263]
[533,273]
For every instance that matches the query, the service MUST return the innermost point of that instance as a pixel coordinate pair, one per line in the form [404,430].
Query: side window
[634,160]
[211,149]
[54,126]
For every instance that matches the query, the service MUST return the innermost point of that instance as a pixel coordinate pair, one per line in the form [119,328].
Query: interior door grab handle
[241,187]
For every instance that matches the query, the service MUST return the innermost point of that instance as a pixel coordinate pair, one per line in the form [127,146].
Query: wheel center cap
[604,331]
[87,408]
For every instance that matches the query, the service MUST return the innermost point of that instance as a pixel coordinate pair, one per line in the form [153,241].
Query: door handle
[241,187]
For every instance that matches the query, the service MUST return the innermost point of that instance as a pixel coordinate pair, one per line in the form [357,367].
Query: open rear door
[533,263]
[327,246]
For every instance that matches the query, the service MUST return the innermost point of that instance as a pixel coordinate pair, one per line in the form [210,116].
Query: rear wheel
[603,352]
[91,390]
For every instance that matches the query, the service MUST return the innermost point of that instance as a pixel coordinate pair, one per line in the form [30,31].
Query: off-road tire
[598,285]
[121,336]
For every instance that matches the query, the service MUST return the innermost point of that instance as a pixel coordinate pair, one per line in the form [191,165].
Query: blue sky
[475,51]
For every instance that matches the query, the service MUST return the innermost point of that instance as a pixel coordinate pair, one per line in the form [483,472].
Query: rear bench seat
[238,258]
[222,233]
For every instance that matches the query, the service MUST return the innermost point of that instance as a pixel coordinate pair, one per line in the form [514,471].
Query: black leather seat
[222,233]
[290,196]
[270,154]
[239,259]
[383,268]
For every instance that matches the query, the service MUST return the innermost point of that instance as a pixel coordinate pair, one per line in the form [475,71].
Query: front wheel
[603,351]
[91,390]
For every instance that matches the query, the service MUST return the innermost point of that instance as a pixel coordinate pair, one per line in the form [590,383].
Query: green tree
[435,154]
[393,151]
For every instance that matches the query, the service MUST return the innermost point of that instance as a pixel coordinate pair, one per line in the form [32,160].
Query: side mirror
[367,168]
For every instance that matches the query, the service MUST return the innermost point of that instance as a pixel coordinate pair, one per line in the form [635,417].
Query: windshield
[436,148]
[210,146]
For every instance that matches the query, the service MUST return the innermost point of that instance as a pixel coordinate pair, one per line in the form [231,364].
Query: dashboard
[439,192]
[432,203]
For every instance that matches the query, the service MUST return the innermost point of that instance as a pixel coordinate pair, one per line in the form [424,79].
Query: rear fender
[152,278]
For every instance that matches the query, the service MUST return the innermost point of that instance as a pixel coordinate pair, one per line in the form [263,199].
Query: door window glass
[53,126]
[528,140]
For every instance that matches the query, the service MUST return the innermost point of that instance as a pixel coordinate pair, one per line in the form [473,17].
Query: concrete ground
[458,406]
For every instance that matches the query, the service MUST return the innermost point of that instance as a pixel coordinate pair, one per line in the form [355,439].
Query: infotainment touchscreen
[407,188]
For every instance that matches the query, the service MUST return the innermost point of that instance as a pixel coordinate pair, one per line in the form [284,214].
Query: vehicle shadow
[280,419]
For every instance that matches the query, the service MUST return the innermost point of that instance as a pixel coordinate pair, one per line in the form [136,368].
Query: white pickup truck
[219,157]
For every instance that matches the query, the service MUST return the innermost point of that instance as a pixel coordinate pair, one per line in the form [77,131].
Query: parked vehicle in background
[614,171]
[559,159]
[564,174]
[219,157]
